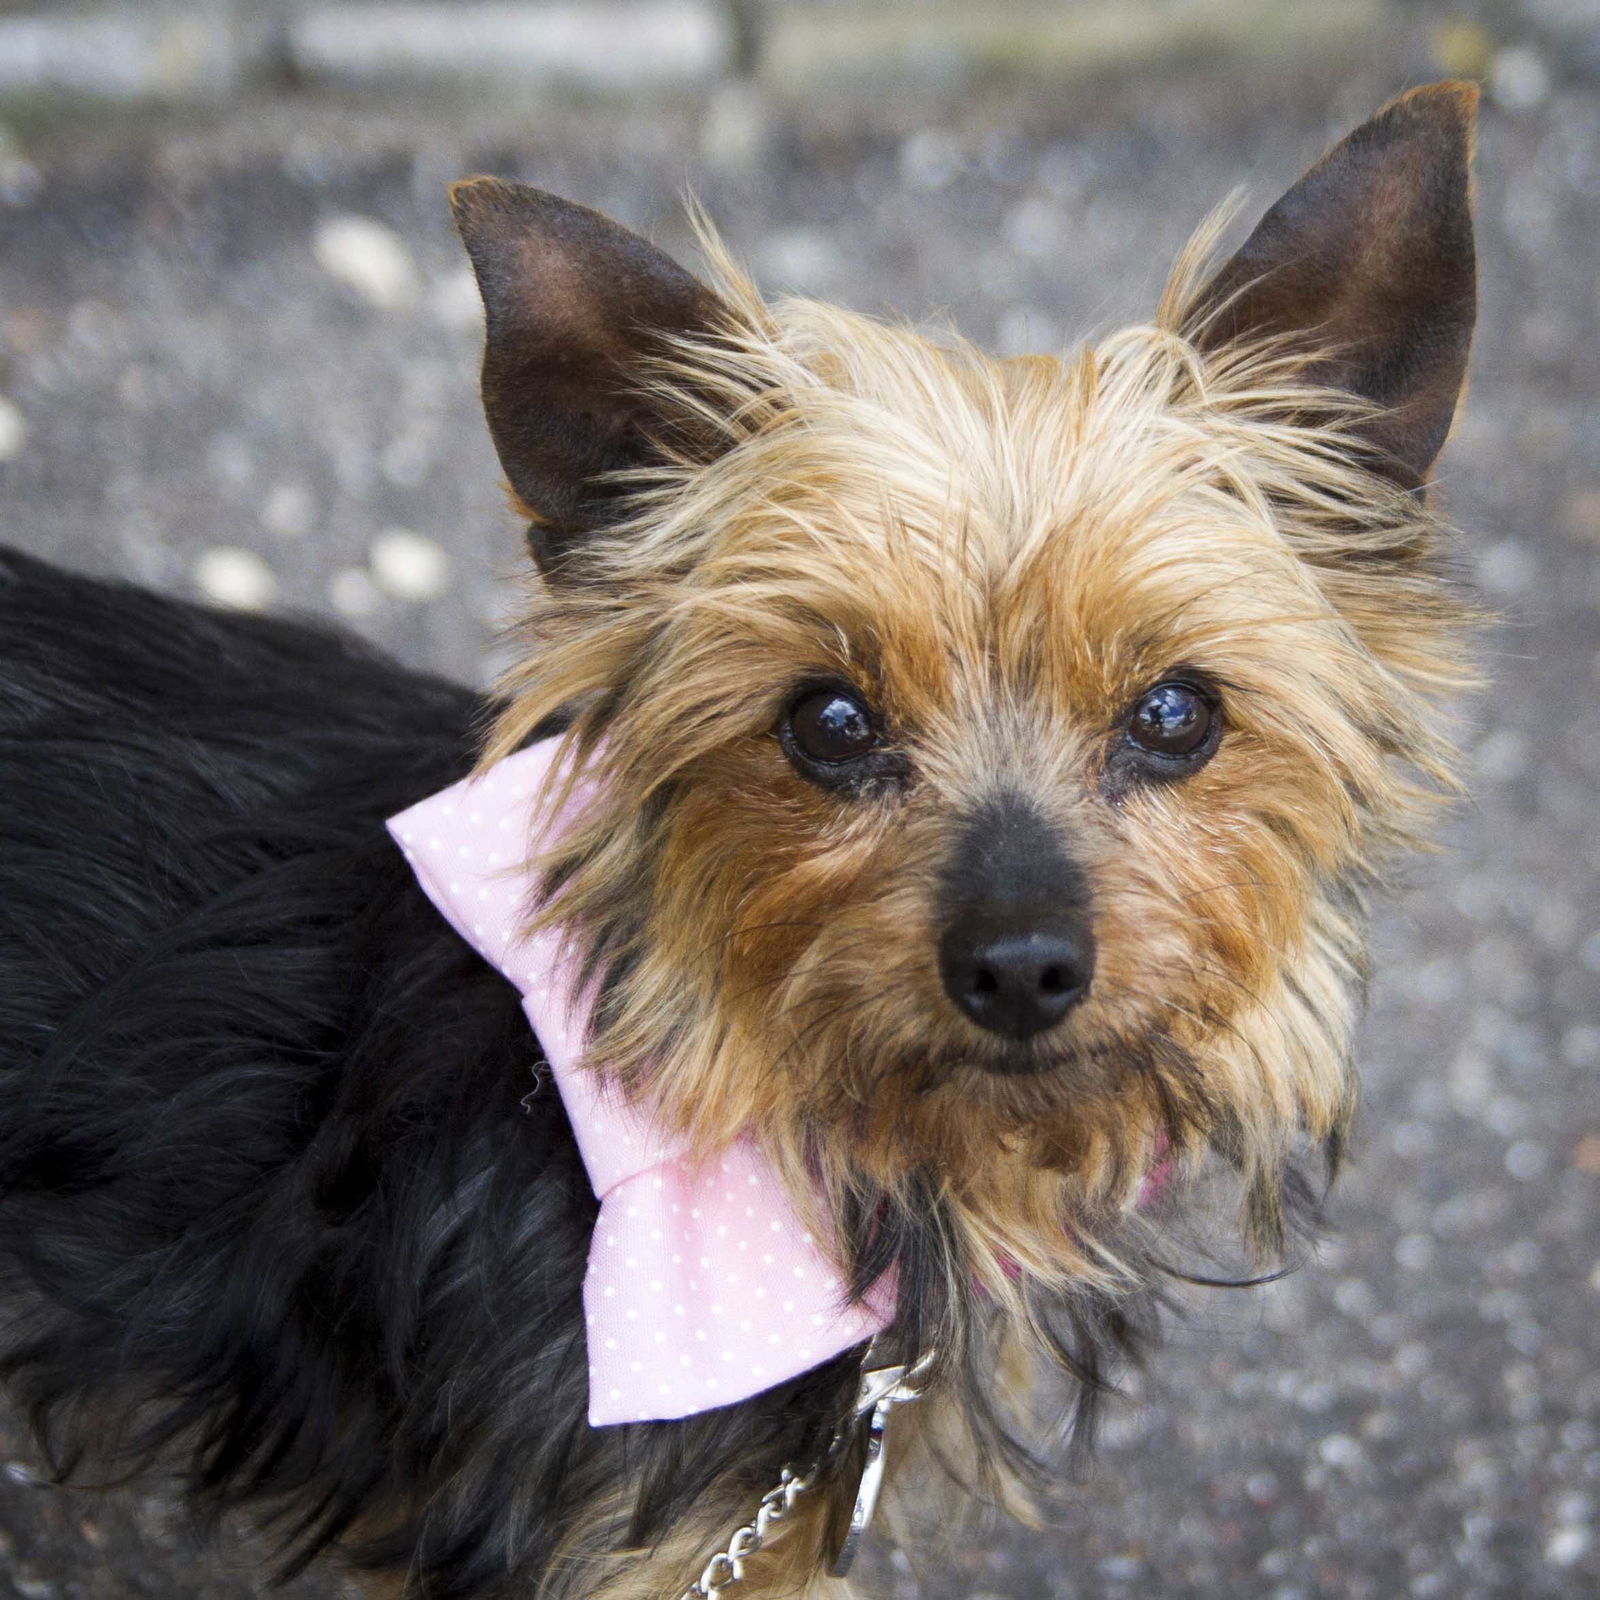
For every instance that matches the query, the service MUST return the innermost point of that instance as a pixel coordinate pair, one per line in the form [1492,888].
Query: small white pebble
[1354,1298]
[371,258]
[1507,567]
[800,259]
[1501,756]
[1412,1359]
[290,510]
[1518,78]
[1527,1160]
[453,300]
[353,593]
[1566,1546]
[1262,1488]
[1340,1450]
[234,577]
[1033,227]
[409,565]
[13,428]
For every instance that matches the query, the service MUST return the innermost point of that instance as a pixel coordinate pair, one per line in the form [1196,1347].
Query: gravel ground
[237,356]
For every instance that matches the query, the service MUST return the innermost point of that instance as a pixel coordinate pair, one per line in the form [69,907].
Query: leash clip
[881,1390]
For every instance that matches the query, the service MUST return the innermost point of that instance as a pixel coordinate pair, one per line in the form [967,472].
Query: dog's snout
[1016,952]
[1016,981]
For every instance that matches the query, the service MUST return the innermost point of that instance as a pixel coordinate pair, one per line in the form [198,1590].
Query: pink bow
[702,1288]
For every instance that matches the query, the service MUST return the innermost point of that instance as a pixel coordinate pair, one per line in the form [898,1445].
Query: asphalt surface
[191,360]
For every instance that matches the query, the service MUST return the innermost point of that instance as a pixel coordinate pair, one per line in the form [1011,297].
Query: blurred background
[237,360]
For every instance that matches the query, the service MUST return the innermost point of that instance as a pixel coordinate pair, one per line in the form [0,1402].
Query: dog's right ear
[575,305]
[1370,258]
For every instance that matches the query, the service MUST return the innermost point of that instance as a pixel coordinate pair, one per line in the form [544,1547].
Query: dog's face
[992,752]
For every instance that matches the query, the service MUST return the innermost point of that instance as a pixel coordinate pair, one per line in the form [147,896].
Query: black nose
[1015,981]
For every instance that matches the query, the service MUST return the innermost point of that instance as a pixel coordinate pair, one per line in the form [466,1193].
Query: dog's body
[285,1190]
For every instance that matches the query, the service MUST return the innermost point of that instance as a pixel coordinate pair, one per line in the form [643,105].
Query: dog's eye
[1176,720]
[831,726]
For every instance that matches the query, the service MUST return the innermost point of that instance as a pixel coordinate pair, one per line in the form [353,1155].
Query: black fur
[273,1186]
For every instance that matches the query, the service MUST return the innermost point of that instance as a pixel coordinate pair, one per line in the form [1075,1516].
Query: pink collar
[702,1287]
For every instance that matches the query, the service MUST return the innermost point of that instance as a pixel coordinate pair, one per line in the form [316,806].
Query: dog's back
[258,1105]
[157,758]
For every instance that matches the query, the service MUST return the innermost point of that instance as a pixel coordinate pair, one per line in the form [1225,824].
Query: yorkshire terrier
[928,829]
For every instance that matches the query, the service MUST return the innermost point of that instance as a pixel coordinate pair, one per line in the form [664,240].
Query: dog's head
[993,753]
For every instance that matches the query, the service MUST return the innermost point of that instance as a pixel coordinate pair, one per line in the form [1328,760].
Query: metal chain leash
[880,1390]
[726,1567]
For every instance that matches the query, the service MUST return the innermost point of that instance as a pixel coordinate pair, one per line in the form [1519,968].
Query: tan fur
[1003,555]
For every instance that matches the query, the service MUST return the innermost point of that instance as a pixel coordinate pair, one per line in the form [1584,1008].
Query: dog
[955,787]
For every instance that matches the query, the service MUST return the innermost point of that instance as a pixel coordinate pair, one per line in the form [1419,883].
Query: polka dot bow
[702,1287]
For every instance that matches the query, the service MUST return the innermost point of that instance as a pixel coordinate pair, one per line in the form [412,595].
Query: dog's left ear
[575,305]
[1369,258]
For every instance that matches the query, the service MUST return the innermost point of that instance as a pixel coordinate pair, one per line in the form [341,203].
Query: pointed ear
[574,306]
[1369,258]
